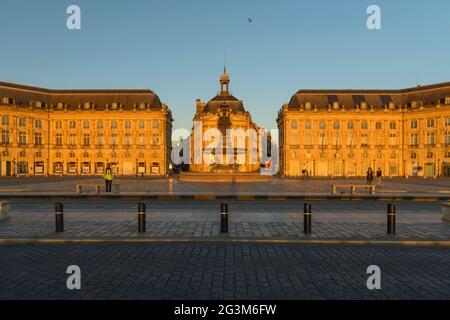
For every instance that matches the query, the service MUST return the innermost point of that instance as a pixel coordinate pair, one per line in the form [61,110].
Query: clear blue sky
[176,48]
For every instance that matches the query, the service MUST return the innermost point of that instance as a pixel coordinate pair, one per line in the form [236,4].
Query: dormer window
[59,105]
[414,104]
[335,105]
[363,105]
[5,100]
[142,106]
[115,106]
[87,105]
[447,100]
[308,106]
[38,104]
[391,105]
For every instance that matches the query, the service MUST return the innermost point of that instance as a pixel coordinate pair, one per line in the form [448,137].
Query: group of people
[370,175]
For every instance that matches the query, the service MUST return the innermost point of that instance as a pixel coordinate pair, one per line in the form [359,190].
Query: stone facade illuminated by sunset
[224,116]
[73,132]
[344,132]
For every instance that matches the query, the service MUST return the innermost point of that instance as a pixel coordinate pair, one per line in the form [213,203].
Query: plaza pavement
[222,271]
[248,220]
[171,186]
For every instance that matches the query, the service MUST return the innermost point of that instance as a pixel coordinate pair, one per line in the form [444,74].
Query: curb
[406,243]
[212,197]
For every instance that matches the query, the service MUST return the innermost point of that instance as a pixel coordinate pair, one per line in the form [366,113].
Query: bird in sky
[249,20]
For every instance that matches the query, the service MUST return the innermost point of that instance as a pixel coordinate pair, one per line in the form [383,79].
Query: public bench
[80,187]
[4,206]
[446,212]
[352,187]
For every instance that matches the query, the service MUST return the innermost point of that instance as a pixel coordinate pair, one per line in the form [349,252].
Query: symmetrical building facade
[78,132]
[344,132]
[224,122]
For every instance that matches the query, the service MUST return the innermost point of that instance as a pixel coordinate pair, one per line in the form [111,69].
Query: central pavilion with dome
[223,113]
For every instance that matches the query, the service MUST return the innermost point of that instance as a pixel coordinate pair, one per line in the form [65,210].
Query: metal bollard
[59,217]
[391,218]
[224,218]
[307,217]
[141,218]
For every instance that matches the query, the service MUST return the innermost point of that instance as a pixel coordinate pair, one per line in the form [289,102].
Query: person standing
[369,177]
[379,175]
[108,178]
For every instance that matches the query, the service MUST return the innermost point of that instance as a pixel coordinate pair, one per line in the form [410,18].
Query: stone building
[342,133]
[77,132]
[224,114]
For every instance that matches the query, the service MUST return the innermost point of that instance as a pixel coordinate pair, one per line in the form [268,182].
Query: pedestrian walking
[379,174]
[108,178]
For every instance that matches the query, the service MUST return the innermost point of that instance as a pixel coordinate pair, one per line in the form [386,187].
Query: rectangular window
[378,125]
[321,124]
[364,125]
[294,124]
[5,120]
[323,139]
[100,140]
[5,137]
[22,138]
[414,124]
[141,140]
[86,140]
[350,140]
[114,140]
[350,125]
[38,139]
[141,124]
[430,123]
[72,140]
[431,138]
[308,140]
[86,124]
[128,139]
[100,124]
[127,124]
[447,121]
[155,124]
[364,140]
[38,123]
[58,140]
[113,124]
[58,124]
[392,125]
[72,124]
[447,100]
[22,121]
[155,139]
[336,125]
[447,139]
[308,124]
[414,139]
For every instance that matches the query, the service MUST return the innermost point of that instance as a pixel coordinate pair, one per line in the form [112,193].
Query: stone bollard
[307,217]
[391,218]
[224,218]
[141,218]
[59,217]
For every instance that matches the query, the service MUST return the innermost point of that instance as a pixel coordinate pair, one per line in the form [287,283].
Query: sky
[177,48]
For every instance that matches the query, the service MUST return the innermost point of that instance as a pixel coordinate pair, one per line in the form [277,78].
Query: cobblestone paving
[223,271]
[248,220]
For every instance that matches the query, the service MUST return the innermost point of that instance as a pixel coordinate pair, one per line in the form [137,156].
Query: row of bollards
[307,218]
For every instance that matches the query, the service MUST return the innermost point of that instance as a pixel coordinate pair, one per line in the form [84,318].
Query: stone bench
[4,206]
[352,187]
[97,187]
[446,212]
